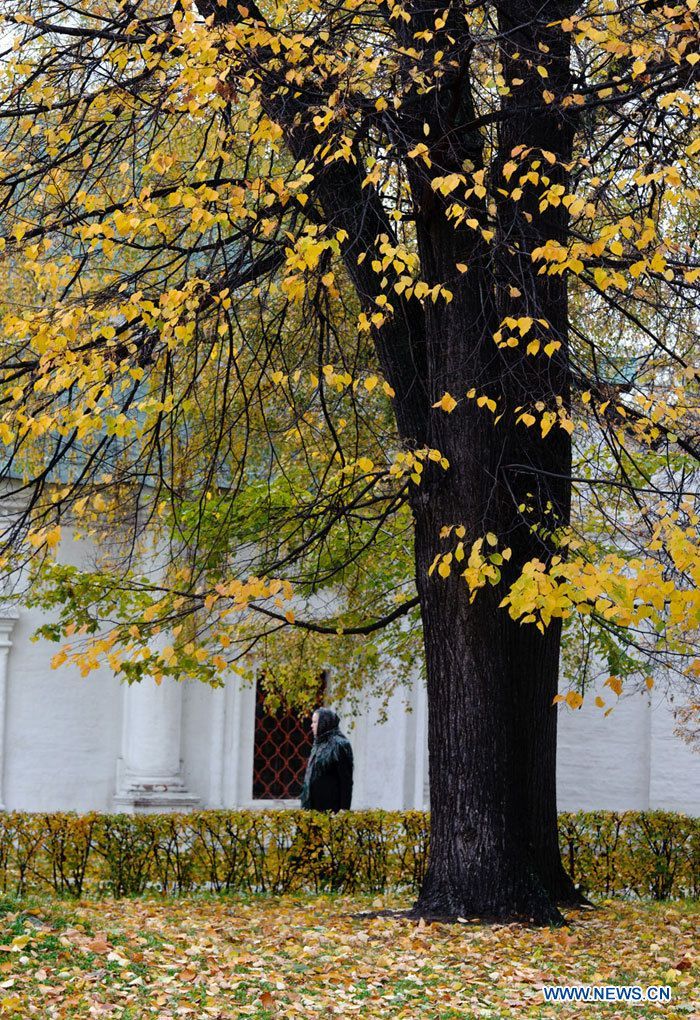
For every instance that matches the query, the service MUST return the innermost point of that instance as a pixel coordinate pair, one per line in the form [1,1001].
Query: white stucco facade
[80,743]
[69,742]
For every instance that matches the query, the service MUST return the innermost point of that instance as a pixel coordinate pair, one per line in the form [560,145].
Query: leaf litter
[298,957]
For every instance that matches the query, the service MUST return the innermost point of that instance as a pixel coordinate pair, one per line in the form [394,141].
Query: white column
[239,743]
[417,795]
[244,755]
[7,624]
[218,705]
[149,773]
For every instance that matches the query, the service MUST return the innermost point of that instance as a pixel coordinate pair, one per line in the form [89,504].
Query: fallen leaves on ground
[305,957]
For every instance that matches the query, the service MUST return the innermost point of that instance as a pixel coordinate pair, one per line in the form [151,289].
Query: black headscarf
[328,722]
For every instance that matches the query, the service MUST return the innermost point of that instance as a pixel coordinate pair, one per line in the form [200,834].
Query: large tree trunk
[492,732]
[536,718]
[491,682]
[480,859]
[492,727]
[541,477]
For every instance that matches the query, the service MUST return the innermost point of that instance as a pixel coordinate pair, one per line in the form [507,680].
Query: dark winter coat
[328,779]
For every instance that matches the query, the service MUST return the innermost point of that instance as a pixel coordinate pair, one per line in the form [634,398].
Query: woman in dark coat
[328,779]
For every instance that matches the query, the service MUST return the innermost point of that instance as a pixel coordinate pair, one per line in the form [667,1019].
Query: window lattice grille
[282,745]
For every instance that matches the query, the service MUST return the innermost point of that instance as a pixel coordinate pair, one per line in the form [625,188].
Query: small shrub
[642,854]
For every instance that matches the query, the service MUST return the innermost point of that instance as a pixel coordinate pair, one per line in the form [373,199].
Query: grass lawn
[313,957]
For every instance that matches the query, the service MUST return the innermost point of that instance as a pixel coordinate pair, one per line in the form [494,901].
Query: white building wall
[62,730]
[674,780]
[384,754]
[199,726]
[630,760]
[64,746]
[603,763]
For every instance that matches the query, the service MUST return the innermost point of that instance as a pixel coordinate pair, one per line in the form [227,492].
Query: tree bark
[537,657]
[535,117]
[480,859]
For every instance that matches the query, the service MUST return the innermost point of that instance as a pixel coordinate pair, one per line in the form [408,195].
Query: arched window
[283,741]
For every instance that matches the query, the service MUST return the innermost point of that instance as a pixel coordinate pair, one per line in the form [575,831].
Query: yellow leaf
[446,402]
[574,699]
[615,684]
[53,536]
[421,150]
[546,423]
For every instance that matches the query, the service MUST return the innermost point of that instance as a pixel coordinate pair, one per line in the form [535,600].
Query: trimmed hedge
[654,854]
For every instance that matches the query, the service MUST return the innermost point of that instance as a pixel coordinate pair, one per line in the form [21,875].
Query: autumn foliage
[298,957]
[631,854]
[180,305]
[342,326]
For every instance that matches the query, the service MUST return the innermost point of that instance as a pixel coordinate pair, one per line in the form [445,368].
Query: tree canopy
[335,320]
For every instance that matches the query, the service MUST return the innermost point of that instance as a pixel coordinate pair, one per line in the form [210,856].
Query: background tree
[389,302]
